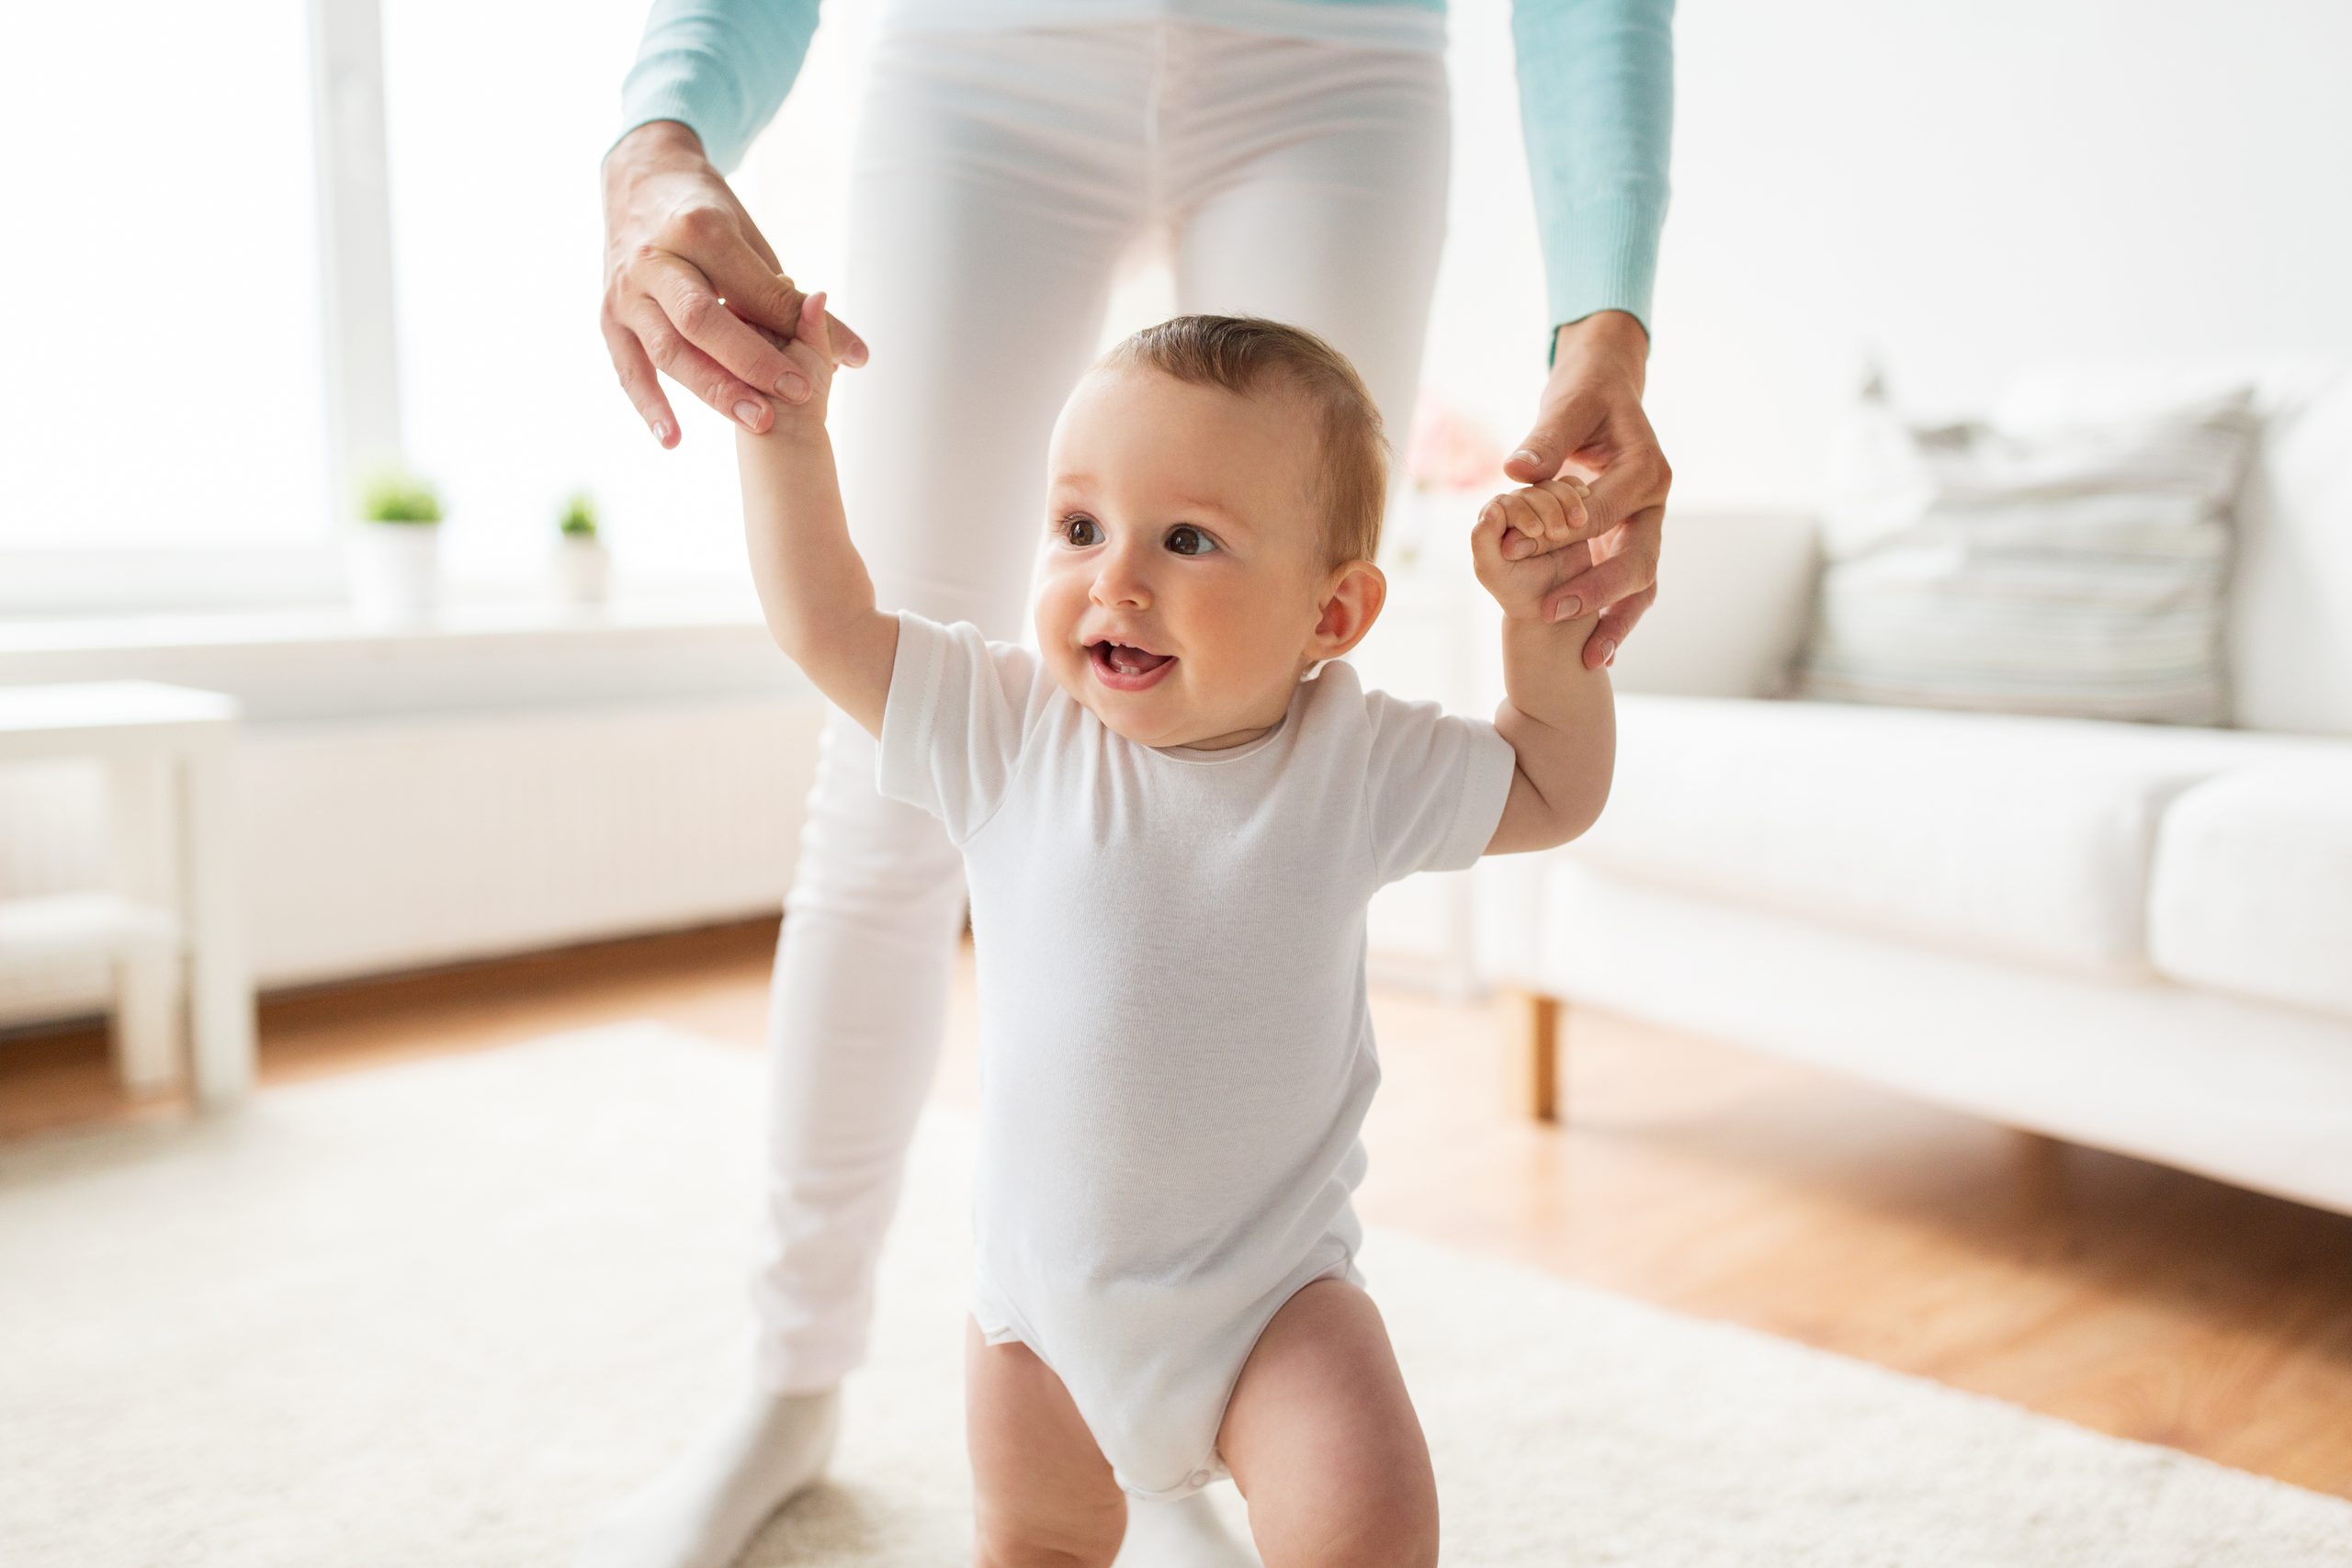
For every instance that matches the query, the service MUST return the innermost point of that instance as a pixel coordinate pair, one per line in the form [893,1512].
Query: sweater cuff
[678,85]
[1603,256]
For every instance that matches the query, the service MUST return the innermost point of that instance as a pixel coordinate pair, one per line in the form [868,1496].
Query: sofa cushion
[2014,837]
[2251,886]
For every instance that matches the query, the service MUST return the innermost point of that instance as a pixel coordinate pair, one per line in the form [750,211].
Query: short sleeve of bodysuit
[960,707]
[1435,785]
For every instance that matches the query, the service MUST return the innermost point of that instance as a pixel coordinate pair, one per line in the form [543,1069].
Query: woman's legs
[1307,181]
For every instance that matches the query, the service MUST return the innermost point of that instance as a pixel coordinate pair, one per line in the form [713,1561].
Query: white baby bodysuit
[1175,1050]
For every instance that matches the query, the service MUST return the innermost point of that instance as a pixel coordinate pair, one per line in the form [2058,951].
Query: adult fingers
[749,281]
[703,316]
[751,291]
[1616,625]
[1567,426]
[1630,566]
[759,243]
[638,380]
[1605,436]
[1634,481]
[847,346]
[698,373]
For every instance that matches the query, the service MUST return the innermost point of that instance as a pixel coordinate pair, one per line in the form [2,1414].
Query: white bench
[171,925]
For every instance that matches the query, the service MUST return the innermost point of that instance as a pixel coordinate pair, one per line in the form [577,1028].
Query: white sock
[1187,1533]
[710,1500]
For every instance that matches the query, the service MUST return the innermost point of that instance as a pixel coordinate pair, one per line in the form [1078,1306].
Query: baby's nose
[1119,583]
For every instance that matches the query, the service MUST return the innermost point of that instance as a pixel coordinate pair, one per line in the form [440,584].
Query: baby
[1171,815]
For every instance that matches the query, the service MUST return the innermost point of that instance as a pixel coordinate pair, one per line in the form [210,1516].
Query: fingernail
[662,431]
[1525,454]
[1567,609]
[793,386]
[1611,657]
[749,413]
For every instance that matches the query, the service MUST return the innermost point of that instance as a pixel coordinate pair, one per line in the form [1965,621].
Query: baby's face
[1183,571]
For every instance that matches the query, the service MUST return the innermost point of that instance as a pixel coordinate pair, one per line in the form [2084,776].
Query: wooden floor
[2118,1294]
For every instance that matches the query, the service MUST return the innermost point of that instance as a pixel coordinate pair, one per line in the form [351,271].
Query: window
[497,116]
[173,440]
[162,275]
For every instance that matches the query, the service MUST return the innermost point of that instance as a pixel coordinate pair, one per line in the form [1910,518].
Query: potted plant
[583,566]
[395,549]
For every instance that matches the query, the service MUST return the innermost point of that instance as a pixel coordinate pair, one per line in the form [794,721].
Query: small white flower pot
[395,571]
[583,570]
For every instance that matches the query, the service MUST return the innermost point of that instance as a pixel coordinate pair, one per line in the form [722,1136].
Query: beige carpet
[429,1316]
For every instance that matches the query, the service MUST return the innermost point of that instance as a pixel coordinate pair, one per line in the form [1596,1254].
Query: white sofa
[2132,936]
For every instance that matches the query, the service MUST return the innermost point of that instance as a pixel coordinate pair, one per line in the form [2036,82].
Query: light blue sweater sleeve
[1596,104]
[720,66]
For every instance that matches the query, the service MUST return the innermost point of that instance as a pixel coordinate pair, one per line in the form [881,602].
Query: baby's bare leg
[1324,1443]
[1042,1491]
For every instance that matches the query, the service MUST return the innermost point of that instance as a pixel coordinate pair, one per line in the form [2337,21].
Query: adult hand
[1593,423]
[688,279]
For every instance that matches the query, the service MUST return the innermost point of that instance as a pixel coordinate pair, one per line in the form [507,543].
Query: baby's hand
[1530,541]
[814,355]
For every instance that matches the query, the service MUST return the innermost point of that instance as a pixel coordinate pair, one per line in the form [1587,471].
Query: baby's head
[1216,487]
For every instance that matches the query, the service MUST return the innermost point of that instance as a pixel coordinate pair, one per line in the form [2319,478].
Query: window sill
[299,665]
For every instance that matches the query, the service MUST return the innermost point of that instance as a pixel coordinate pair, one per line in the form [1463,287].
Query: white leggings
[999,180]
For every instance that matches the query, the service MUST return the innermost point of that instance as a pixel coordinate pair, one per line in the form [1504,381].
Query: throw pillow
[2062,567]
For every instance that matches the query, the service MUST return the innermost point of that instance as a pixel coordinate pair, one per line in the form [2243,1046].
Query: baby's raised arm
[1557,715]
[813,585]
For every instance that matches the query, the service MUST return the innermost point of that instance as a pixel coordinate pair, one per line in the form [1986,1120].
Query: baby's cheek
[1059,605]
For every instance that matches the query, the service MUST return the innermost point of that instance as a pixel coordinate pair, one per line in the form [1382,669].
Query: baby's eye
[1187,540]
[1081,532]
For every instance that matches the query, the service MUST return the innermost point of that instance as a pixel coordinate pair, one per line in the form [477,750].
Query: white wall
[1967,188]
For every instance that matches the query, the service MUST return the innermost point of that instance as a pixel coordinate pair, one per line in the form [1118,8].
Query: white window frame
[359,381]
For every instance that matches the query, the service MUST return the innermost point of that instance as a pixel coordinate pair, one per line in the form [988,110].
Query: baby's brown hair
[1249,355]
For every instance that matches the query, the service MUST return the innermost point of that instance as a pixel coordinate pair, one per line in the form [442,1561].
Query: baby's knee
[1388,1533]
[1387,1524]
[1073,1543]
[1400,1536]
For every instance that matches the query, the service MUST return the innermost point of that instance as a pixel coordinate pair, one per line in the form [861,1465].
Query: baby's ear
[1350,603]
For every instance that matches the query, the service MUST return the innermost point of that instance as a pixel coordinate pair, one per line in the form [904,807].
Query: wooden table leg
[1540,1018]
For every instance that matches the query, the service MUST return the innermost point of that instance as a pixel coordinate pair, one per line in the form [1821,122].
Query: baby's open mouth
[1126,667]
